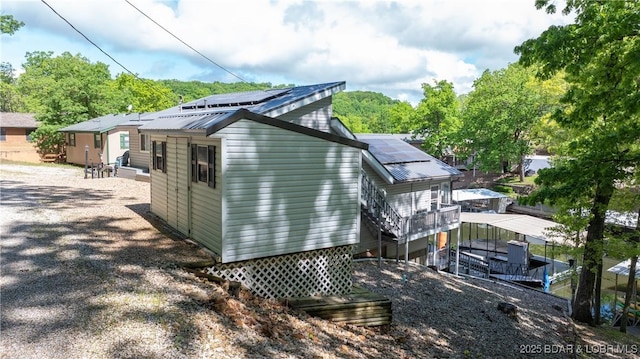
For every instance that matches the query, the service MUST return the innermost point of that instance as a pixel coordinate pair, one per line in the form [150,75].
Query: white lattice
[319,272]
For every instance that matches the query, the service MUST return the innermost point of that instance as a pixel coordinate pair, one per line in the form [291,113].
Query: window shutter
[153,154]
[164,157]
[212,166]
[194,163]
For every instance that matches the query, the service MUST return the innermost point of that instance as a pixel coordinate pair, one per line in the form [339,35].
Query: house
[280,194]
[15,140]
[98,139]
[275,202]
[406,201]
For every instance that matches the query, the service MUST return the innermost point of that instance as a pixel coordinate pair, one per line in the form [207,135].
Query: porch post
[458,249]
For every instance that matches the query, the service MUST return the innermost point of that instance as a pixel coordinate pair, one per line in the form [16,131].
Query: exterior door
[178,184]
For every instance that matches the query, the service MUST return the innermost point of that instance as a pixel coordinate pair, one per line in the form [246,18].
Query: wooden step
[360,307]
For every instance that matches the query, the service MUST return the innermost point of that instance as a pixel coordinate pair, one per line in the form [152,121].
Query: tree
[373,109]
[499,115]
[9,25]
[436,118]
[10,98]
[67,89]
[143,95]
[598,54]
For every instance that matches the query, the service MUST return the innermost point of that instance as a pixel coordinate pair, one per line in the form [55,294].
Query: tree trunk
[632,277]
[628,294]
[592,254]
[522,160]
[597,300]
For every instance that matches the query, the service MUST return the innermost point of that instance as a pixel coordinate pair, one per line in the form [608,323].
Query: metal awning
[622,268]
[536,229]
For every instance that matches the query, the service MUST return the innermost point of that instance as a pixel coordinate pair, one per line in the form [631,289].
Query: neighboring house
[100,138]
[15,130]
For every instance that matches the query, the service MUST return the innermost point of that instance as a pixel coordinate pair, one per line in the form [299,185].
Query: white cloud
[389,47]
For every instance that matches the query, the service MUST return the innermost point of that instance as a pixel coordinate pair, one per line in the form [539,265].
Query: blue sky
[388,47]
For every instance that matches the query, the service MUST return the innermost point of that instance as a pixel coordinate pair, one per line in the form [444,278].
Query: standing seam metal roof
[405,162]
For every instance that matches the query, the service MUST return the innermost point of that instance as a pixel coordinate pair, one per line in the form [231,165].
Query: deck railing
[421,224]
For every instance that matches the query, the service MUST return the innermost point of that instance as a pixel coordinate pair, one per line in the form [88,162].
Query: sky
[392,47]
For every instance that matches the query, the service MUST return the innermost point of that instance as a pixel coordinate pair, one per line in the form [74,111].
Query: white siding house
[249,188]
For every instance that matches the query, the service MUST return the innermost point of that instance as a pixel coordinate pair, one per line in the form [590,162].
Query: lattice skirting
[318,272]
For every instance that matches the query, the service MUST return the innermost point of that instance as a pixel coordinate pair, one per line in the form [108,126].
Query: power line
[187,45]
[104,52]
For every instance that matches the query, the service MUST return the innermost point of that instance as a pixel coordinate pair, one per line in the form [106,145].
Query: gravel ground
[88,272]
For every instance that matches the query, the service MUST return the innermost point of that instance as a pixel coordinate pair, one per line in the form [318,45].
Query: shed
[481,200]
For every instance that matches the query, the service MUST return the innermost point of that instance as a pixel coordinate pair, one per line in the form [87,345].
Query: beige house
[15,144]
[97,140]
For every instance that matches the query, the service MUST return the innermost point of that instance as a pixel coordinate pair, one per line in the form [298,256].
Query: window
[445,194]
[203,167]
[3,134]
[434,197]
[124,141]
[28,134]
[97,140]
[144,143]
[72,139]
[159,156]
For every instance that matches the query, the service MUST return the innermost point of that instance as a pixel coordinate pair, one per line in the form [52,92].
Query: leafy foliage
[9,25]
[66,89]
[598,54]
[48,139]
[368,111]
[500,115]
[437,118]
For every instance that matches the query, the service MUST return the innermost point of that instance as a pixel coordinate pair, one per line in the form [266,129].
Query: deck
[360,307]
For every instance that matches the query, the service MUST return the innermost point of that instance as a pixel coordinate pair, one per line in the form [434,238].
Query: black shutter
[153,155]
[212,166]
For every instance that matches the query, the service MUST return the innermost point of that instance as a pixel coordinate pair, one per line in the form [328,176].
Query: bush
[503,189]
[48,140]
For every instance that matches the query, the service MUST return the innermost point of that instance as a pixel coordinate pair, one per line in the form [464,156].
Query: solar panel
[393,150]
[234,99]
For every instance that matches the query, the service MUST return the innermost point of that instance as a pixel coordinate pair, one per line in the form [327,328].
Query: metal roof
[193,121]
[470,194]
[18,120]
[259,102]
[211,123]
[405,162]
[533,227]
[101,124]
[623,268]
[237,99]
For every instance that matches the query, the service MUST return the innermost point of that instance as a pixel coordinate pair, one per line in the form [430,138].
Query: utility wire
[104,52]
[187,45]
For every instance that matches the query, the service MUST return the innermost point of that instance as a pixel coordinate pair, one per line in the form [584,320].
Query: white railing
[421,224]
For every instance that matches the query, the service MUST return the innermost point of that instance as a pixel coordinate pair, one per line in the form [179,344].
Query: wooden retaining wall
[360,307]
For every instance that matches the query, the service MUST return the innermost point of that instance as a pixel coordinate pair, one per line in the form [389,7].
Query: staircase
[378,213]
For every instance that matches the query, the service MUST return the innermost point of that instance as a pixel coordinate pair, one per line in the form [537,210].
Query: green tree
[373,108]
[436,119]
[10,98]
[499,116]
[9,25]
[598,54]
[143,95]
[66,89]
